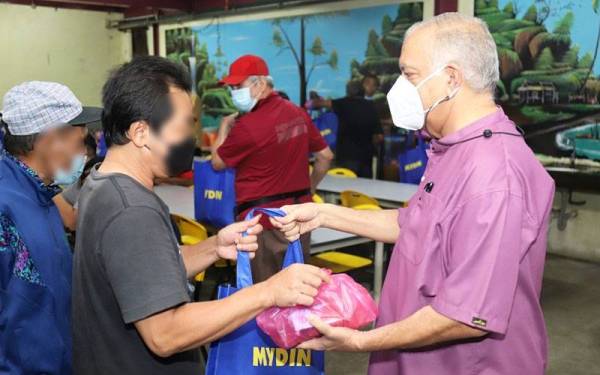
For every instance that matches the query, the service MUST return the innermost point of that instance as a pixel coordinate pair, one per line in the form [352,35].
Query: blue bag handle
[292,255]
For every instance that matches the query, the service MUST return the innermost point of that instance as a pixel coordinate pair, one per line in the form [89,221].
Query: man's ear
[44,140]
[262,86]
[139,133]
[455,77]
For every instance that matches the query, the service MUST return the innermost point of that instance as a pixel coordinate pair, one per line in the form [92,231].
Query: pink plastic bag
[341,303]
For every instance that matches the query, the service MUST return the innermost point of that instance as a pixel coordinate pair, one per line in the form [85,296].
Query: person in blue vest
[40,151]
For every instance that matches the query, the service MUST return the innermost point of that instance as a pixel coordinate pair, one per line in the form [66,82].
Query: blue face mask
[62,177]
[242,99]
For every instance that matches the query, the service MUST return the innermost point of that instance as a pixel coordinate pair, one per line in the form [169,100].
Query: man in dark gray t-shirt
[131,310]
[128,263]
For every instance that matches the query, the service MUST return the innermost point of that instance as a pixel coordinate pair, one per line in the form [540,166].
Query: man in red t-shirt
[269,146]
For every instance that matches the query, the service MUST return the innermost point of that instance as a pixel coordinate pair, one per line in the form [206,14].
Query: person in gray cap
[41,150]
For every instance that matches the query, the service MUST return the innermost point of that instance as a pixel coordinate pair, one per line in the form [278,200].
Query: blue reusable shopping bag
[248,350]
[412,161]
[327,123]
[214,194]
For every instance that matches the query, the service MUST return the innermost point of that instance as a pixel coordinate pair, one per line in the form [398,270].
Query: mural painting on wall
[549,74]
[305,53]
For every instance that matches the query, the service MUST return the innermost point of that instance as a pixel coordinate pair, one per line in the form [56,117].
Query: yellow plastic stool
[317,198]
[341,172]
[339,262]
[358,201]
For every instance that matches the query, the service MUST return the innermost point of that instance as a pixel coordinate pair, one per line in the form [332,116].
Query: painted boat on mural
[584,140]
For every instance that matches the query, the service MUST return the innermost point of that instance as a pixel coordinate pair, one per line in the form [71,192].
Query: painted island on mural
[549,74]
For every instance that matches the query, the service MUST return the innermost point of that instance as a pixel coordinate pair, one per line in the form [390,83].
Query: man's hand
[227,123]
[334,338]
[295,285]
[300,219]
[230,239]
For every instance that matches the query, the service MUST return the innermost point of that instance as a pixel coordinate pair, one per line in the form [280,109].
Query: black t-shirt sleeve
[143,263]
[338,106]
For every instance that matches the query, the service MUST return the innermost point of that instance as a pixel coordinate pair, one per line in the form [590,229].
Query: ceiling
[142,13]
[137,8]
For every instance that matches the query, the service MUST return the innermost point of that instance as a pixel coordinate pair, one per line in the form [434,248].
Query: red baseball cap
[244,67]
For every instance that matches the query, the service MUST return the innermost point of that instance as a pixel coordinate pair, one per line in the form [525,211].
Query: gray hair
[465,41]
[267,79]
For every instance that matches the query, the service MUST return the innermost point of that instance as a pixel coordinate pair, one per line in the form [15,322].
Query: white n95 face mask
[406,105]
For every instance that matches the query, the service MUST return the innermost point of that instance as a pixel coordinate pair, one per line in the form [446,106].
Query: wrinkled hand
[334,338]
[229,239]
[295,285]
[300,219]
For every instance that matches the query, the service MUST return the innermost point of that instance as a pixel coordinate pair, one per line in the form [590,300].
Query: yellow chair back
[192,232]
[358,201]
[341,172]
[317,198]
[339,262]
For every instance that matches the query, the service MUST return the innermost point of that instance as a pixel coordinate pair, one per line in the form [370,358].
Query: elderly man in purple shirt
[462,290]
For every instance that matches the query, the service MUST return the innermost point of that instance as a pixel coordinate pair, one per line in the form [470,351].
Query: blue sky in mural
[346,32]
[585,27]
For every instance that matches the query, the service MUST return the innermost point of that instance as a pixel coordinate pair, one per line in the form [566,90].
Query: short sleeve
[143,264]
[238,145]
[316,142]
[483,259]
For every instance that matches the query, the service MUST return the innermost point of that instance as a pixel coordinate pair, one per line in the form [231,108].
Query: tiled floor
[571,303]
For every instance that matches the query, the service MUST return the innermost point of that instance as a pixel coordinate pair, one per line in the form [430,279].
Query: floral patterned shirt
[10,239]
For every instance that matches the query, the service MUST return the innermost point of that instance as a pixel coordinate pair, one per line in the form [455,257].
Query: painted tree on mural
[534,55]
[383,49]
[596,8]
[320,56]
[182,46]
